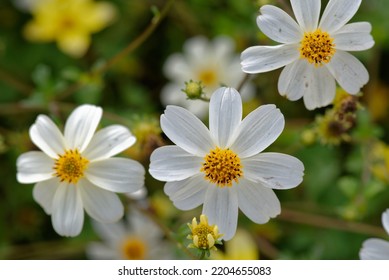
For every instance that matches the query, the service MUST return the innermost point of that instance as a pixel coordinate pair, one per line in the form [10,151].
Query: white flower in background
[223,167]
[314,53]
[136,239]
[75,171]
[214,63]
[375,248]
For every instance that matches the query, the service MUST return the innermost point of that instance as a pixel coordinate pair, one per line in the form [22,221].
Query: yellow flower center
[204,236]
[134,248]
[317,47]
[221,167]
[70,166]
[208,77]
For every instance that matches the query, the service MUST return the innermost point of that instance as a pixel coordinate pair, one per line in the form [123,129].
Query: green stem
[320,221]
[133,45]
[242,83]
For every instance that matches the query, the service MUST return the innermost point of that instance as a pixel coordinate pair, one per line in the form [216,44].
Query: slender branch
[139,40]
[242,82]
[266,248]
[330,223]
[133,45]
[12,81]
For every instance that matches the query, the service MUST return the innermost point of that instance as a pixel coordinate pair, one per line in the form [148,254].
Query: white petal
[355,27]
[307,13]
[258,130]
[374,249]
[187,194]
[116,174]
[353,41]
[338,13]
[81,125]
[260,59]
[186,131]
[44,192]
[274,170]
[46,135]
[108,142]
[138,195]
[34,167]
[176,68]
[291,83]
[68,212]
[221,208]
[278,25]
[102,205]
[225,115]
[196,49]
[110,233]
[257,202]
[98,251]
[320,88]
[171,163]
[222,48]
[385,220]
[348,71]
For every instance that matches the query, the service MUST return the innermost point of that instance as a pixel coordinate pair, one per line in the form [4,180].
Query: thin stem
[242,82]
[12,81]
[330,223]
[139,40]
[133,45]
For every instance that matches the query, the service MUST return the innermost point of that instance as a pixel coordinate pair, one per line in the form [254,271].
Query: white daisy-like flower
[75,171]
[214,63]
[223,167]
[375,248]
[314,53]
[138,238]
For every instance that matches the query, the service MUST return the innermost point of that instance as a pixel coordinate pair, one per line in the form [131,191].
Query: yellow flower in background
[148,135]
[380,166]
[241,247]
[68,22]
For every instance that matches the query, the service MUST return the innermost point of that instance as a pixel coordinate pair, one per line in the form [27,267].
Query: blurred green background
[346,184]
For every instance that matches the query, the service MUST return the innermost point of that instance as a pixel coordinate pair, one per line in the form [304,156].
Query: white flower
[375,248]
[137,239]
[212,62]
[223,167]
[75,171]
[314,53]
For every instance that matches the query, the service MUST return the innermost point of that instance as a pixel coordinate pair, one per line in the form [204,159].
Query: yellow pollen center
[222,167]
[208,77]
[202,231]
[70,166]
[134,248]
[317,47]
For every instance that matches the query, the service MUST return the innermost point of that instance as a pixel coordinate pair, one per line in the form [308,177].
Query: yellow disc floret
[222,167]
[317,47]
[70,166]
[134,248]
[208,77]
[204,236]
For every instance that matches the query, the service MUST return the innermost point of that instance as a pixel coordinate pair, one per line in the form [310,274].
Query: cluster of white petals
[66,193]
[375,248]
[181,164]
[300,78]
